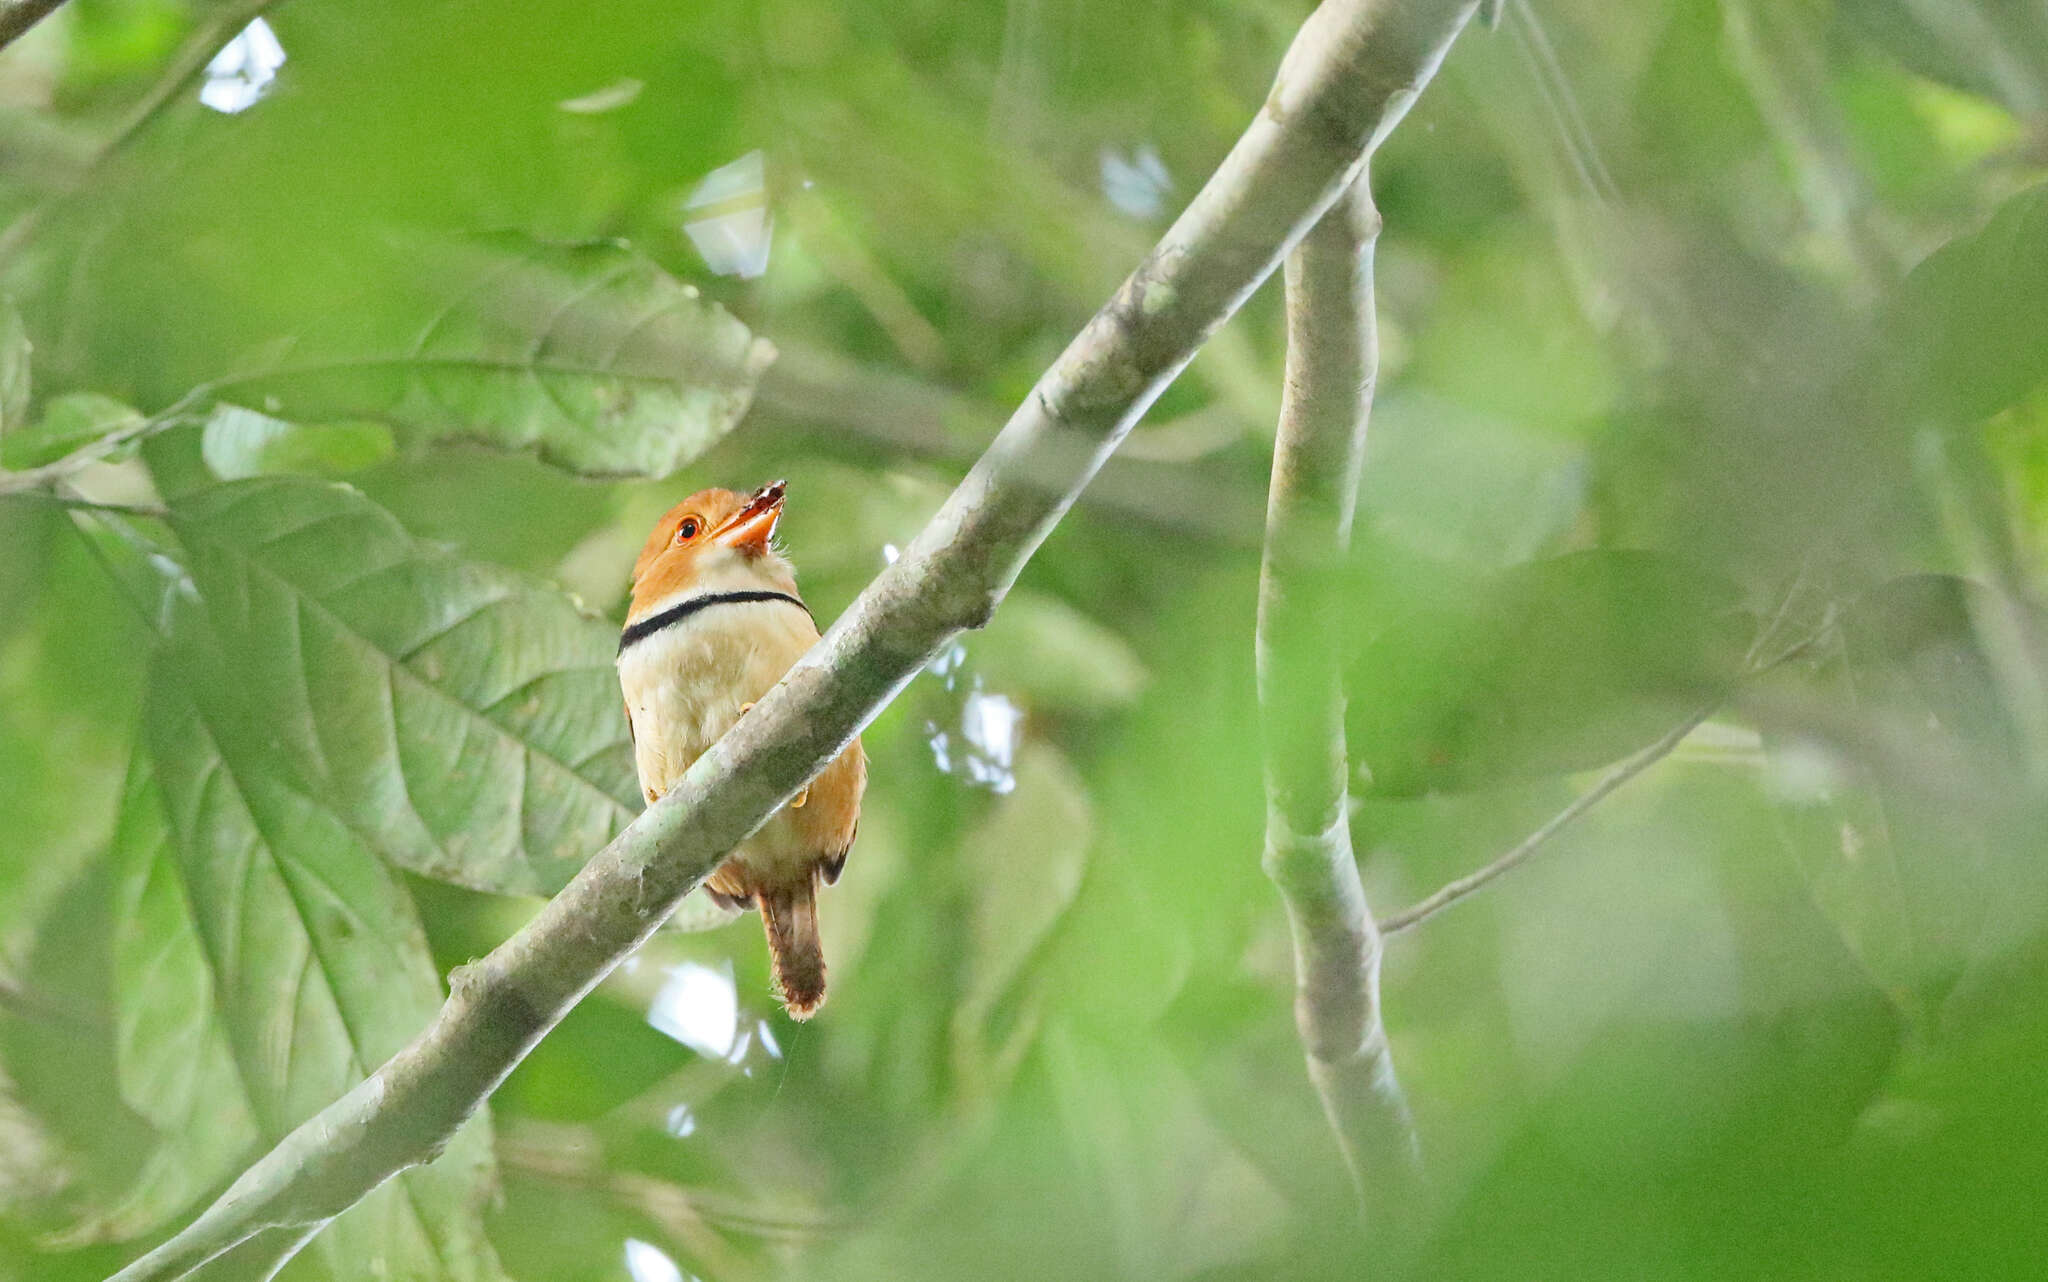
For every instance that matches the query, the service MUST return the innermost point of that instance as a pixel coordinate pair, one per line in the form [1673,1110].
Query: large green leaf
[464,720]
[1971,323]
[1553,666]
[175,1065]
[461,719]
[238,443]
[588,354]
[77,1141]
[270,962]
[1171,1194]
[1025,862]
[1913,826]
[67,700]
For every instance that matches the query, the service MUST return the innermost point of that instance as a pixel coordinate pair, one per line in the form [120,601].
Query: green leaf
[239,443]
[69,421]
[588,354]
[1176,1198]
[1549,667]
[14,372]
[56,1059]
[27,530]
[1982,48]
[1025,863]
[462,719]
[465,720]
[1971,321]
[174,1061]
[1921,886]
[1474,486]
[282,938]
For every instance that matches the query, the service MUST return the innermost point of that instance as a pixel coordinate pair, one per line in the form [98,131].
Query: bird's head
[715,540]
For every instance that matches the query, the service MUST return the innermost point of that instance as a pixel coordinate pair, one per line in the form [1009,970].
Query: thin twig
[36,479]
[1351,75]
[17,16]
[1753,665]
[84,504]
[560,1158]
[1318,453]
[566,1153]
[832,401]
[1474,882]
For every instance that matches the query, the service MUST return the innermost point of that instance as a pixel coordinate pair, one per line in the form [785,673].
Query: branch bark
[1352,73]
[1332,358]
[17,16]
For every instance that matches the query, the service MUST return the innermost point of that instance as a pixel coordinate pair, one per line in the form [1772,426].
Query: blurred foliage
[1543,668]
[1713,372]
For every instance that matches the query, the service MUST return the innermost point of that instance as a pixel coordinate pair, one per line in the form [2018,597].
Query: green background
[1714,338]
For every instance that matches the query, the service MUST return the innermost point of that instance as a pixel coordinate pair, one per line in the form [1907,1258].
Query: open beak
[749,528]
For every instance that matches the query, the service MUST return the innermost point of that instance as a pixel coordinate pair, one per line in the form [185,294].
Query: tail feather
[790,915]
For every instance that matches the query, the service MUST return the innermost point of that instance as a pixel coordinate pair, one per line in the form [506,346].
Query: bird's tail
[790,915]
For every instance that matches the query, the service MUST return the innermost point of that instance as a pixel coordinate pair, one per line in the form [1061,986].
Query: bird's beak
[749,528]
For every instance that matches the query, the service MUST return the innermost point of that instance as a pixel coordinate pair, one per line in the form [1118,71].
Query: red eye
[687,530]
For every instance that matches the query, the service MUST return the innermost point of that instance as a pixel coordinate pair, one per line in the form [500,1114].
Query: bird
[713,622]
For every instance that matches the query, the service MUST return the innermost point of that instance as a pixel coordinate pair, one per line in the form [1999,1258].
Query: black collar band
[681,610]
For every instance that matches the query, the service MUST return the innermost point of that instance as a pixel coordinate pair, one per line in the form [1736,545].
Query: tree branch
[80,503]
[17,16]
[1352,73]
[1332,358]
[1474,882]
[37,480]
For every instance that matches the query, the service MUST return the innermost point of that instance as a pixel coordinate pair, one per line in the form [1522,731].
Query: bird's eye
[687,530]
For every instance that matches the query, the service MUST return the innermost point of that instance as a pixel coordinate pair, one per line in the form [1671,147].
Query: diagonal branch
[1352,73]
[17,16]
[1332,357]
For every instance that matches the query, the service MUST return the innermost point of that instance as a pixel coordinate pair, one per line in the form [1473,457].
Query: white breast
[685,685]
